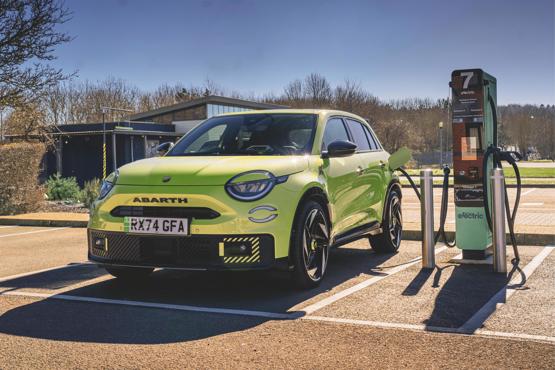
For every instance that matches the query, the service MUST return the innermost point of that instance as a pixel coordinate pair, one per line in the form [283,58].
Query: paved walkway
[536,213]
[47,219]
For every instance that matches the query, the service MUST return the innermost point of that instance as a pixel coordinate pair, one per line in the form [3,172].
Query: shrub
[90,192]
[19,170]
[62,188]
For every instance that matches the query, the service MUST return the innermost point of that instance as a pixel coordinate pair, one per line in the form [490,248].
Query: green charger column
[474,96]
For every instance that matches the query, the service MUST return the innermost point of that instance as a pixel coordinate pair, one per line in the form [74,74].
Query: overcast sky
[395,49]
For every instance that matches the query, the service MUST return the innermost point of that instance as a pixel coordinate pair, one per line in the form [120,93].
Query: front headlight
[240,188]
[108,184]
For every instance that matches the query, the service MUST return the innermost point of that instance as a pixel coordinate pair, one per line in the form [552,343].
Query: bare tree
[294,91]
[163,96]
[28,37]
[350,96]
[26,121]
[317,89]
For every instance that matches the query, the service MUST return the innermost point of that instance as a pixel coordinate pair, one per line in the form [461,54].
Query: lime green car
[250,190]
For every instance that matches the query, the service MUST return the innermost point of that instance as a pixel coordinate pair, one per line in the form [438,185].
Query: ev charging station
[480,197]
[473,131]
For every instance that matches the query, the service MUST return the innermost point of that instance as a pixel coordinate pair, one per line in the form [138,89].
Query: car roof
[320,112]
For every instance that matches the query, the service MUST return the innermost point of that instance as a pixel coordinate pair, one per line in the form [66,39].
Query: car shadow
[105,323]
[55,279]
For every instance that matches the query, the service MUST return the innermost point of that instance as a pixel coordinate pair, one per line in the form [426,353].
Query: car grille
[195,251]
[199,213]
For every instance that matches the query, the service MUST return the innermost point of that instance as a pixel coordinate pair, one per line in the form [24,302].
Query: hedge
[20,191]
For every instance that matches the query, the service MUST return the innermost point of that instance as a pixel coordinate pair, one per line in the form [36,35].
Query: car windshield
[250,134]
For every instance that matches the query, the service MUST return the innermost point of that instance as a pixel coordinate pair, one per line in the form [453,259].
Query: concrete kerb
[42,223]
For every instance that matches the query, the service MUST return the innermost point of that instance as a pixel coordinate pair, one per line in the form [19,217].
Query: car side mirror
[340,148]
[164,147]
[399,158]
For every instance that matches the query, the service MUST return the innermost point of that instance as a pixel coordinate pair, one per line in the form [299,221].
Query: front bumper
[195,252]
[210,210]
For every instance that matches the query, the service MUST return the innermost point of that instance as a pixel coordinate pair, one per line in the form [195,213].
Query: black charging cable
[444,203]
[510,157]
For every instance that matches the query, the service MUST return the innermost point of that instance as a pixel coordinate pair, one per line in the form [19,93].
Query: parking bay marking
[271,315]
[422,328]
[528,270]
[33,232]
[476,321]
[366,283]
[229,311]
[528,192]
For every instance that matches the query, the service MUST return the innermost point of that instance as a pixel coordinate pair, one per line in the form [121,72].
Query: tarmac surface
[371,311]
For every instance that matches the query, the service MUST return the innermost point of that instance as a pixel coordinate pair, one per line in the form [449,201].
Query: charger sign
[468,131]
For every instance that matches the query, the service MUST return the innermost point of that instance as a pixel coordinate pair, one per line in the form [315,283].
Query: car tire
[310,245]
[129,273]
[390,239]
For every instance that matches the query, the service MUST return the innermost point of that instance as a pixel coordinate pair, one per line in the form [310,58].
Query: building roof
[211,99]
[124,127]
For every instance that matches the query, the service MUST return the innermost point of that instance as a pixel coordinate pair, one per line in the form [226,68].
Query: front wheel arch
[315,194]
[394,185]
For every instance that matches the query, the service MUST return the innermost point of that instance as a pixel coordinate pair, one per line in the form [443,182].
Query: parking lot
[57,309]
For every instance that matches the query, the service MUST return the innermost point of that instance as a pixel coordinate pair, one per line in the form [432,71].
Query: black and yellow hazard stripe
[255,250]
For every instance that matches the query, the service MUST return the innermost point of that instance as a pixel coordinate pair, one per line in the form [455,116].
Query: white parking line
[271,315]
[5,227]
[11,277]
[33,232]
[528,192]
[476,321]
[490,333]
[123,302]
[439,329]
[532,204]
[380,324]
[366,283]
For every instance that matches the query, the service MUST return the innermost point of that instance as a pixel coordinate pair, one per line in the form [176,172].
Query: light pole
[1,125]
[103,144]
[104,111]
[441,143]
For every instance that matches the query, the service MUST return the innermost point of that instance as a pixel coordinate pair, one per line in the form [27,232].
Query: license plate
[154,225]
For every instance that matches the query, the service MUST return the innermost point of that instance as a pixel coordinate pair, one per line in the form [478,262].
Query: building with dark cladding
[79,147]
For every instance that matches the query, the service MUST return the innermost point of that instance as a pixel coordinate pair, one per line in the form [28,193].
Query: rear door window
[359,136]
[374,144]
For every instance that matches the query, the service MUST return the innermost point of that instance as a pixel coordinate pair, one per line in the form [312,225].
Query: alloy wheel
[315,244]
[395,221]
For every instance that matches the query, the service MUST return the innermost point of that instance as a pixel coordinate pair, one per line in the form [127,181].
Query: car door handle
[360,170]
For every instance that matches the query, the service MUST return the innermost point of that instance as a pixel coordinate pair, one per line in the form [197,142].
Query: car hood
[204,170]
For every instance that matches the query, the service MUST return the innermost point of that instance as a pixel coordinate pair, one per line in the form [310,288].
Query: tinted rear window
[359,136]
